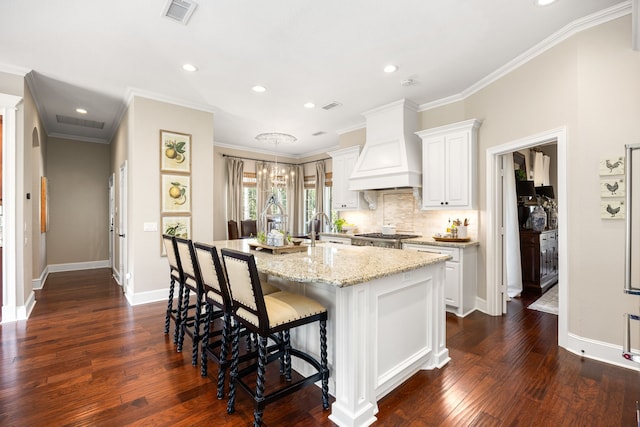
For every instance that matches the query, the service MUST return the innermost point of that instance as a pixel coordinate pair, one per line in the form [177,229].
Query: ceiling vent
[179,10]
[79,122]
[318,133]
[332,105]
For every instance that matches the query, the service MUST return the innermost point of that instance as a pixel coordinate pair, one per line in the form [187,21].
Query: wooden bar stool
[267,315]
[175,274]
[210,272]
[191,316]
[218,305]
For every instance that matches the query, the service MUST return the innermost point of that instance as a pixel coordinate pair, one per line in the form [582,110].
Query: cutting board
[277,250]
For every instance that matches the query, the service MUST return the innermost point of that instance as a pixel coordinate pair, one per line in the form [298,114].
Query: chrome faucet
[313,228]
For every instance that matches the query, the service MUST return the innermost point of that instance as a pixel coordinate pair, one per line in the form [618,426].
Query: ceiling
[97,54]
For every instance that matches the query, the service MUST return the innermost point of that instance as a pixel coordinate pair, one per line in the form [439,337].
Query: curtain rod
[272,161]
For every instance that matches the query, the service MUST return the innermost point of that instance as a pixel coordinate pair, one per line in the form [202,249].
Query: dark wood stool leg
[196,332]
[262,361]
[235,354]
[183,318]
[167,317]
[176,334]
[287,354]
[282,365]
[226,325]
[205,341]
[323,364]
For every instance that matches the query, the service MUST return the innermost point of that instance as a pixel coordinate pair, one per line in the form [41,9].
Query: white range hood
[392,154]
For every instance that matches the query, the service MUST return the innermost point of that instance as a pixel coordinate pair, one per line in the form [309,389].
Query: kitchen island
[386,317]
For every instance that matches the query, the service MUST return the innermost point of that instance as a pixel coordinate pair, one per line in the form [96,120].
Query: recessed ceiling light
[390,68]
[259,88]
[189,67]
[81,111]
[544,2]
[309,105]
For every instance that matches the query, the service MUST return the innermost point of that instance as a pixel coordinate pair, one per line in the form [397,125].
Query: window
[249,198]
[310,200]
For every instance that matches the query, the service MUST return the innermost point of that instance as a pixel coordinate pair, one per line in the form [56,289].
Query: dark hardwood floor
[85,357]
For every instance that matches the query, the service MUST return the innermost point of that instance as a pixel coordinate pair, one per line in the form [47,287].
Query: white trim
[74,266]
[494,265]
[481,305]
[147,297]
[559,36]
[357,126]
[14,69]
[8,107]
[24,311]
[600,351]
[38,283]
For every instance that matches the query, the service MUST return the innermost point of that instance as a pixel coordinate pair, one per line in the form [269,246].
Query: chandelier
[278,177]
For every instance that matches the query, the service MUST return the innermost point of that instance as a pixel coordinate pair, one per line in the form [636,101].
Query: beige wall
[34,140]
[78,173]
[589,84]
[146,117]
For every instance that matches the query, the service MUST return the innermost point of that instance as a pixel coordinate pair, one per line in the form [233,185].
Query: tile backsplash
[402,209]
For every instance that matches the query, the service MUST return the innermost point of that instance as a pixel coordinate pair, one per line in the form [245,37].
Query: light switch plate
[150,226]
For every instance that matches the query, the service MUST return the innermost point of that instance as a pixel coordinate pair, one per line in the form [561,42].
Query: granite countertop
[335,264]
[429,241]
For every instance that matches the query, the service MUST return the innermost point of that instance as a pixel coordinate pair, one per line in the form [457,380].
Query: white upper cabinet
[449,157]
[343,163]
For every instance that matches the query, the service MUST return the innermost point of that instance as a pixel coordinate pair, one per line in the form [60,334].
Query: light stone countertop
[335,264]
[429,241]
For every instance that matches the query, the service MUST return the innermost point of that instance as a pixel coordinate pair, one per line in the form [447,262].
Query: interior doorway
[122,227]
[496,290]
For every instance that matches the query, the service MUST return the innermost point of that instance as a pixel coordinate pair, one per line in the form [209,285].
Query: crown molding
[358,126]
[33,88]
[132,92]
[78,138]
[13,69]
[569,30]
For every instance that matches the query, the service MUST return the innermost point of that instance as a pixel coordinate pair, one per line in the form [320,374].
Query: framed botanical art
[175,193]
[179,226]
[175,152]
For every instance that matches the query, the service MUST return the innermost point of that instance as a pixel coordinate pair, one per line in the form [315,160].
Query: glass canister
[538,219]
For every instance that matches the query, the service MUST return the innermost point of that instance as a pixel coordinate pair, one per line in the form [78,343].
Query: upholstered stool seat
[266,316]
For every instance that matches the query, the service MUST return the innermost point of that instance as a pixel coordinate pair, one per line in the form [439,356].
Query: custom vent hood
[392,154]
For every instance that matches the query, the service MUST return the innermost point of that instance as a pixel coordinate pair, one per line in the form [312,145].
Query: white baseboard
[54,268]
[598,350]
[481,305]
[38,283]
[148,297]
[21,312]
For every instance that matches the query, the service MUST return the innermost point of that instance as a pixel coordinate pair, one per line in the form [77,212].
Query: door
[122,228]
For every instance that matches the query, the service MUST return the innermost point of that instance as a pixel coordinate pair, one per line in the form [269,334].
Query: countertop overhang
[334,264]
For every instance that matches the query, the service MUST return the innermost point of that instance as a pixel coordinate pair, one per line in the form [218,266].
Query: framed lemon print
[175,152]
[175,193]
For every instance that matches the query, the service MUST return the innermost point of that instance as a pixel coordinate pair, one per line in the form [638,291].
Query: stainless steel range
[380,240]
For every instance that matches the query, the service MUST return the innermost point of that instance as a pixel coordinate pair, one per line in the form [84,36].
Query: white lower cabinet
[461,285]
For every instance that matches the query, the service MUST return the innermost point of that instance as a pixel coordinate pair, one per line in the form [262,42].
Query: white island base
[379,333]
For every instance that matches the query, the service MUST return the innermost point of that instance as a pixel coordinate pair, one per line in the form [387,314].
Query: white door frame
[11,230]
[122,228]
[112,225]
[493,230]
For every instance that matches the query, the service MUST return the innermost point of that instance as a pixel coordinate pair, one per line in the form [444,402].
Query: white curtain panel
[262,191]
[538,169]
[295,199]
[513,269]
[546,161]
[320,178]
